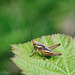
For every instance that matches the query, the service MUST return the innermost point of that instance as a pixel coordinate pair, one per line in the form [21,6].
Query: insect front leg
[33,49]
[34,53]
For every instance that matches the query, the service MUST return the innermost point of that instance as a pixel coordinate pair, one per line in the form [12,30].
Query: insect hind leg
[56,54]
[34,53]
[54,46]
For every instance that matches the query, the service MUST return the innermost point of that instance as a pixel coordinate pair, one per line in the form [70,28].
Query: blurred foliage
[45,16]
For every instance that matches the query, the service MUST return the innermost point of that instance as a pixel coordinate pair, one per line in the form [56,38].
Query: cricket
[45,50]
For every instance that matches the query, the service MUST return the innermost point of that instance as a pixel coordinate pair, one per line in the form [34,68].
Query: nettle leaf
[54,65]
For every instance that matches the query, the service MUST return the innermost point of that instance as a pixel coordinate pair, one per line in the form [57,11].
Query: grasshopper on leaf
[44,49]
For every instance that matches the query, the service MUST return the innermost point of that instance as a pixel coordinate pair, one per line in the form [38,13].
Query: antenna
[29,24]
[31,31]
[30,28]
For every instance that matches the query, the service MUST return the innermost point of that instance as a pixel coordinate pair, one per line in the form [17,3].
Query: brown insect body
[44,49]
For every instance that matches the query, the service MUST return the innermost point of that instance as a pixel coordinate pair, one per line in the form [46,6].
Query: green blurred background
[45,16]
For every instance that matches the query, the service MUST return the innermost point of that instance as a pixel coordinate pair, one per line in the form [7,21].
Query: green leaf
[54,65]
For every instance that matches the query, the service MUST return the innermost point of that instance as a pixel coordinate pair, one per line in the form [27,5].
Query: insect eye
[43,46]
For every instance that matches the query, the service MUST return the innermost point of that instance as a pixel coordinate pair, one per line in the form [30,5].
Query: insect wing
[47,49]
